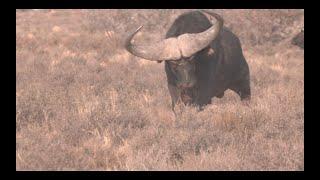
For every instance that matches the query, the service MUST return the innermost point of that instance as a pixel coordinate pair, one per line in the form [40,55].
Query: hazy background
[84,103]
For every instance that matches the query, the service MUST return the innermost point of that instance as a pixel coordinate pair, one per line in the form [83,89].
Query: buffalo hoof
[246,102]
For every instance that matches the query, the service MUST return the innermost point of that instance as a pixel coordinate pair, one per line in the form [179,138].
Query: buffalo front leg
[175,95]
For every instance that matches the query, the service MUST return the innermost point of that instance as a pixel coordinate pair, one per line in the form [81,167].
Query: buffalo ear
[159,61]
[210,51]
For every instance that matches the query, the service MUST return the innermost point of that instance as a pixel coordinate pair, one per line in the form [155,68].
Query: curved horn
[192,43]
[174,48]
[163,50]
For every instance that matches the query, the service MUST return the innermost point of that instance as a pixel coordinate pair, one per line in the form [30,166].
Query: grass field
[84,103]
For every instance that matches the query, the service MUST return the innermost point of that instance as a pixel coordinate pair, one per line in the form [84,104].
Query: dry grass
[83,103]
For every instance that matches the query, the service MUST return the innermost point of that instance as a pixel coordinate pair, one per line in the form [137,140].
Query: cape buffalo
[202,59]
[298,40]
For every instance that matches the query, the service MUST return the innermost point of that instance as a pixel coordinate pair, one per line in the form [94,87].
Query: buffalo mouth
[187,96]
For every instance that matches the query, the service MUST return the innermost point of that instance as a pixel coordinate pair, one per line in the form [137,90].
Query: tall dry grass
[84,103]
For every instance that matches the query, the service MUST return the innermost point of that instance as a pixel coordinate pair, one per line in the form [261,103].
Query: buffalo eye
[174,66]
[191,58]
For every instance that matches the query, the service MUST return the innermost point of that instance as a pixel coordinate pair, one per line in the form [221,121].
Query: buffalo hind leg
[242,85]
[220,95]
[243,90]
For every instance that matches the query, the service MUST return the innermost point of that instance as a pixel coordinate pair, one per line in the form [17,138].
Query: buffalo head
[178,51]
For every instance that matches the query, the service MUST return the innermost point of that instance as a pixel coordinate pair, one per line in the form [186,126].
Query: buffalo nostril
[181,85]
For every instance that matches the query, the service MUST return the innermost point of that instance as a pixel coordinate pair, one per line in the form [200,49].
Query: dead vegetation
[83,103]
